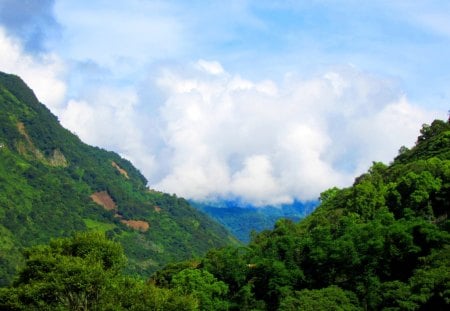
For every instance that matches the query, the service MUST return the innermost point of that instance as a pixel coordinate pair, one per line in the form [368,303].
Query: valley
[80,230]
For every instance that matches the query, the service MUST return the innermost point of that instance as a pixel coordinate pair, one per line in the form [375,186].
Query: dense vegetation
[381,244]
[242,219]
[47,176]
[84,273]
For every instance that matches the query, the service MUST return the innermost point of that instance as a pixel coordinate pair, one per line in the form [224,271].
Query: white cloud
[217,134]
[256,183]
[214,68]
[109,118]
[270,143]
[43,73]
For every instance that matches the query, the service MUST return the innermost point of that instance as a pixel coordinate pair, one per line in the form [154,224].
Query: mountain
[381,244]
[243,219]
[52,185]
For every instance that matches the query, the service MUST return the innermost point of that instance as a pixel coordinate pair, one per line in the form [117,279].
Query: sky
[262,101]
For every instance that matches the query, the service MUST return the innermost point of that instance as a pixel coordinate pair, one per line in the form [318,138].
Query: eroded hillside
[52,185]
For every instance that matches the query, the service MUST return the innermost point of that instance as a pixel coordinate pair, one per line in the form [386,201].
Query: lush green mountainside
[50,182]
[241,220]
[382,244]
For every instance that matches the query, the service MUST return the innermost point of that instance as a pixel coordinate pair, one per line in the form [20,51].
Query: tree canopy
[381,244]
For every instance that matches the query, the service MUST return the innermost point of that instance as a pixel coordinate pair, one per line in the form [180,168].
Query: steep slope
[52,184]
[382,244]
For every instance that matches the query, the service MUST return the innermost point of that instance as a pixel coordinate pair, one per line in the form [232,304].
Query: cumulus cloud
[109,118]
[271,142]
[43,73]
[214,134]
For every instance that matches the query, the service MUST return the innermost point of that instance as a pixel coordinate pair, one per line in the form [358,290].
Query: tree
[84,273]
[73,274]
[329,298]
[202,285]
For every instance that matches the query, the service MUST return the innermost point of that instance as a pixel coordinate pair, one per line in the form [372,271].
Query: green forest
[242,219]
[381,244]
[47,180]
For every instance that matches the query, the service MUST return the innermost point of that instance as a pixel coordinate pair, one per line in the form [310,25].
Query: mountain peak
[18,88]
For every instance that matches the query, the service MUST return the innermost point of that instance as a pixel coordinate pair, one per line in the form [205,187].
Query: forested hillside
[382,244]
[243,219]
[52,185]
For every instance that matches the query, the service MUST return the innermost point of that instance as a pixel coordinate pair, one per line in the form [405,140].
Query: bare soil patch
[102,198]
[23,131]
[25,148]
[137,224]
[58,159]
[121,170]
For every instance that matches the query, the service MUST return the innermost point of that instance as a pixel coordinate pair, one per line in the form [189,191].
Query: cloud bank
[270,142]
[211,134]
[204,133]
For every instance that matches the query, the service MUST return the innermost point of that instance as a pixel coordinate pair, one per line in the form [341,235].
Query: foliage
[381,244]
[330,298]
[43,196]
[242,219]
[84,273]
[202,285]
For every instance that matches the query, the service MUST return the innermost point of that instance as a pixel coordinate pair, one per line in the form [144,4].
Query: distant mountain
[242,219]
[381,244]
[52,185]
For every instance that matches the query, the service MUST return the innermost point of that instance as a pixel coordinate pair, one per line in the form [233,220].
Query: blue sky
[268,101]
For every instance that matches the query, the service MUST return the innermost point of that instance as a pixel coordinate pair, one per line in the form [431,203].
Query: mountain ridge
[381,244]
[47,178]
[242,220]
